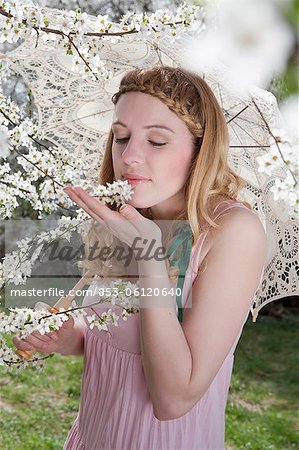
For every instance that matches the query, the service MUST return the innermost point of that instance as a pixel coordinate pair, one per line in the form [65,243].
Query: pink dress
[116,411]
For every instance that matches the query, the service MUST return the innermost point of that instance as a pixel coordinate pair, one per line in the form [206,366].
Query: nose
[132,152]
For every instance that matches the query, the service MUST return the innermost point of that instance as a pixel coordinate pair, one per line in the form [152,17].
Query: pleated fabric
[116,412]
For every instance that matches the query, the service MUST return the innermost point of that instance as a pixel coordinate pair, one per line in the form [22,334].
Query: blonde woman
[160,379]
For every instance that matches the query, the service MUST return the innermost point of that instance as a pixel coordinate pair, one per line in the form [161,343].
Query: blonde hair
[192,100]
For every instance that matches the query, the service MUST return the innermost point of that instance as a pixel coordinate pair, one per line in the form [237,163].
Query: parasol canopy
[75,112]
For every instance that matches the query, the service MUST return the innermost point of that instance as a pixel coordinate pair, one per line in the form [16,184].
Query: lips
[135,181]
[133,177]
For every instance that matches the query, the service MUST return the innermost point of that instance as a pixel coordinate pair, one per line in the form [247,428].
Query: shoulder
[236,223]
[239,226]
[237,216]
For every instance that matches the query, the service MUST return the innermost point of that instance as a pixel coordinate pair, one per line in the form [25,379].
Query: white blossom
[120,191]
[102,24]
[65,21]
[269,161]
[9,108]
[246,40]
[287,190]
[26,17]
[17,266]
[24,321]
[283,152]
[4,150]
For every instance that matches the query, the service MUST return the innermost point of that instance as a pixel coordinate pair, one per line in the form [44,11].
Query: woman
[159,381]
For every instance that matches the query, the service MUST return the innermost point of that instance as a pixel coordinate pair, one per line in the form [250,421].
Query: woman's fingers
[82,204]
[96,209]
[53,335]
[42,337]
[35,341]
[114,221]
[21,344]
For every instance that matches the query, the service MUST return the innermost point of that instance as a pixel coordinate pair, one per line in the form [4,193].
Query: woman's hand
[52,342]
[128,225]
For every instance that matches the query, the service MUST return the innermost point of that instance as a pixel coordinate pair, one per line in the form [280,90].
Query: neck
[167,210]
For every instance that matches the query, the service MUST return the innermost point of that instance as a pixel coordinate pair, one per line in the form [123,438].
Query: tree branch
[92,34]
[36,166]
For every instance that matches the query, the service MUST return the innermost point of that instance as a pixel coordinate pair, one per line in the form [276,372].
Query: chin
[140,203]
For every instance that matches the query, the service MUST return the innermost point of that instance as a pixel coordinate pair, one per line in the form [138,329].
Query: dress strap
[226,205]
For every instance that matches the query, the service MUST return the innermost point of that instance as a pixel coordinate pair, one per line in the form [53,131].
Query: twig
[75,309]
[11,185]
[36,166]
[31,136]
[91,34]
[79,53]
[9,363]
[274,137]
[28,192]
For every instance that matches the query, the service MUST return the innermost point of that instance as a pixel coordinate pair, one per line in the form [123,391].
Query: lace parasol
[76,113]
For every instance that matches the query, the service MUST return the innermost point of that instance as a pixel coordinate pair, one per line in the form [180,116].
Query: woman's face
[151,141]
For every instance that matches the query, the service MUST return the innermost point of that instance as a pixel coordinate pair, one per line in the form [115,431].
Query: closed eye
[123,140]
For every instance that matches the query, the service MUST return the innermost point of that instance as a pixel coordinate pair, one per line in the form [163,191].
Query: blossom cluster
[24,321]
[15,185]
[51,167]
[9,108]
[119,297]
[119,192]
[17,266]
[70,28]
[282,152]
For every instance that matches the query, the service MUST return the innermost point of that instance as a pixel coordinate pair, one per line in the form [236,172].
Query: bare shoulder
[234,223]
[238,224]
[237,216]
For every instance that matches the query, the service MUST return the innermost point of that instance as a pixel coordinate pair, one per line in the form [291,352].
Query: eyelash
[122,141]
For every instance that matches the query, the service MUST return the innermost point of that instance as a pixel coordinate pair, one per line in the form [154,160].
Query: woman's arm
[181,361]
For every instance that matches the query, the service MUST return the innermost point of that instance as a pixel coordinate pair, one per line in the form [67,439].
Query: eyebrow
[147,127]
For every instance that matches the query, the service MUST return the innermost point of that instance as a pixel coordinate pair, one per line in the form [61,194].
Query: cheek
[179,167]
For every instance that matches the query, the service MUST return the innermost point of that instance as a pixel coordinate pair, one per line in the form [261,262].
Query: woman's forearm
[165,352]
